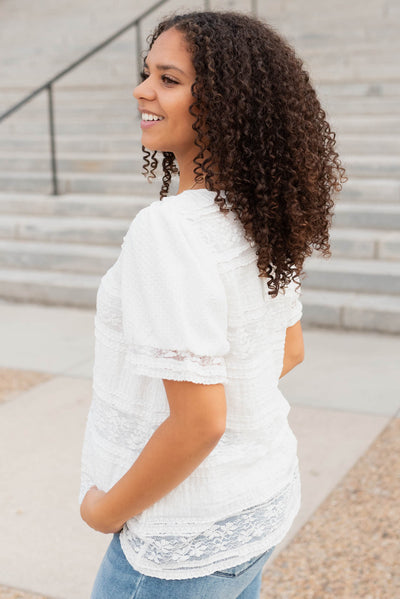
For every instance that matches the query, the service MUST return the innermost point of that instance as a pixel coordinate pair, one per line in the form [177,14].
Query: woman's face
[166,93]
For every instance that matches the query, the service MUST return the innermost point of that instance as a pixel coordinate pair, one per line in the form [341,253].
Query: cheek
[182,120]
[180,109]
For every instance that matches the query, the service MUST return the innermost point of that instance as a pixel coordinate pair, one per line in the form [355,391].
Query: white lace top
[184,302]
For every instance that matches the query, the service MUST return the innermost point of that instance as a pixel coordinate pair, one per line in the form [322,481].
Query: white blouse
[184,302]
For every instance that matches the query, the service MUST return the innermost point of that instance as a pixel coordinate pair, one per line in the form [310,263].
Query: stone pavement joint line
[349,548]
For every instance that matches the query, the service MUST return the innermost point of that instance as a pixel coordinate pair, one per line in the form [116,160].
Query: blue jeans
[116,579]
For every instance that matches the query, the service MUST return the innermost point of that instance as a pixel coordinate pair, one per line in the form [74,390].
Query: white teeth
[151,117]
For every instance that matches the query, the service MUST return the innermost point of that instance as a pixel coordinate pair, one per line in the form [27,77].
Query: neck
[187,180]
[187,176]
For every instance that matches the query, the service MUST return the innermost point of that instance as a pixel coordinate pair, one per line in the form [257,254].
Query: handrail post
[207,5]
[52,140]
[254,8]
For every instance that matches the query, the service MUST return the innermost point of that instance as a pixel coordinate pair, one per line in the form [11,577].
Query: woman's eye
[168,80]
[165,79]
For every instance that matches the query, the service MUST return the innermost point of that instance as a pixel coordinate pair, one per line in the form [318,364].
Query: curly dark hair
[262,137]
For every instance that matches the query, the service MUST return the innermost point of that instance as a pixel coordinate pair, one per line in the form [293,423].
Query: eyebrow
[165,67]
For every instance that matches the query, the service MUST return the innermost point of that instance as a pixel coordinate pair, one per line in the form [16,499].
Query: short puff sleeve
[174,306]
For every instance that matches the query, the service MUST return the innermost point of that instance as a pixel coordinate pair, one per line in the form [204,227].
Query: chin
[154,147]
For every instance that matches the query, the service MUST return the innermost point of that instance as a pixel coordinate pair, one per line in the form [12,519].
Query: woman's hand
[91,512]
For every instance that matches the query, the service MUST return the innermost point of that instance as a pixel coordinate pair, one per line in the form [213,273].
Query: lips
[149,124]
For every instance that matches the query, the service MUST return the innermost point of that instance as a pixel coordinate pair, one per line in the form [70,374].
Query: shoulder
[168,230]
[156,211]
[152,220]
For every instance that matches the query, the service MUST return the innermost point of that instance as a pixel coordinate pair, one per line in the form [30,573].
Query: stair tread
[66,196]
[364,234]
[63,221]
[60,248]
[62,154]
[360,265]
[49,277]
[359,207]
[76,175]
[380,302]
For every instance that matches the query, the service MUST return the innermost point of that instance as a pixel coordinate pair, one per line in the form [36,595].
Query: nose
[144,90]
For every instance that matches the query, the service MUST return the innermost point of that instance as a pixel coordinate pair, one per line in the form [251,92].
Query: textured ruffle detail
[226,543]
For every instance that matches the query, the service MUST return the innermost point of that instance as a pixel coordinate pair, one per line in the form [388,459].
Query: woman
[188,457]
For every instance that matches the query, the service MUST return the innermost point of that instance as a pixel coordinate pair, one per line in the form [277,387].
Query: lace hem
[177,365]
[226,543]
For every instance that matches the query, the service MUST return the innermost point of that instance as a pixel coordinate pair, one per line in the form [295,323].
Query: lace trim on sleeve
[177,365]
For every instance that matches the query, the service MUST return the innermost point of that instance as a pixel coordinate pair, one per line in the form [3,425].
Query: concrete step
[371,216]
[385,167]
[355,190]
[93,100]
[364,48]
[377,191]
[96,231]
[48,287]
[371,244]
[348,310]
[108,96]
[358,89]
[305,17]
[360,55]
[98,206]
[348,143]
[102,183]
[84,257]
[368,144]
[354,69]
[384,106]
[374,96]
[71,143]
[376,125]
[84,110]
[363,276]
[121,125]
[77,162]
[22,213]
[61,257]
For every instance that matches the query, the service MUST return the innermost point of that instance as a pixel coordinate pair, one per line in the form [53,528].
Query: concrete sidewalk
[342,396]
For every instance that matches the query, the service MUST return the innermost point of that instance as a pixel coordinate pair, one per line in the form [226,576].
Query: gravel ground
[7,593]
[349,549]
[14,381]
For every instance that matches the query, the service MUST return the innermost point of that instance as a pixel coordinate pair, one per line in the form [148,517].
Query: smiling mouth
[151,117]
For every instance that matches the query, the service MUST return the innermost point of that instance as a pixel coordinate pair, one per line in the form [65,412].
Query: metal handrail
[49,84]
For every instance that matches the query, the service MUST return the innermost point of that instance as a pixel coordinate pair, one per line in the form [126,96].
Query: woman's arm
[294,348]
[192,430]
